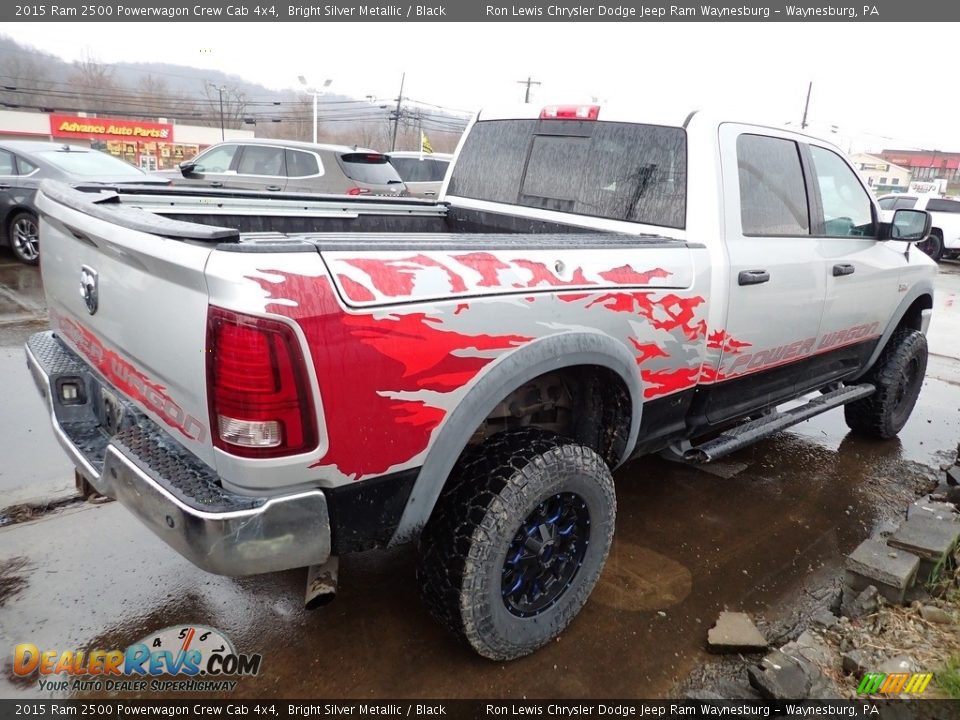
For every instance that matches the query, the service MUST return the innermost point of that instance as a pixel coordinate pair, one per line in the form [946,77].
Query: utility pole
[528,82]
[220,89]
[806,107]
[396,115]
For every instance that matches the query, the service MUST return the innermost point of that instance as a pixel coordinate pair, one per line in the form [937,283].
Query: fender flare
[509,372]
[923,287]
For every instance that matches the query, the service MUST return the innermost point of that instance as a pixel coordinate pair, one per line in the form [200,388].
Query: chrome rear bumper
[178,497]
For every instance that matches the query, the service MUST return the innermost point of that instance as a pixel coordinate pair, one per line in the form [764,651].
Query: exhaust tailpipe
[321,583]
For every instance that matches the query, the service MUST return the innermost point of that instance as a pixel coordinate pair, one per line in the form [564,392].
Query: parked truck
[283,381]
[944,238]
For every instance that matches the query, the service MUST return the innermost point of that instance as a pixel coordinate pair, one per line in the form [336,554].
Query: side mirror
[186,167]
[910,225]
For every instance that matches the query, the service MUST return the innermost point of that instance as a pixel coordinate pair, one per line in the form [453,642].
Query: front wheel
[933,245]
[517,541]
[24,235]
[898,376]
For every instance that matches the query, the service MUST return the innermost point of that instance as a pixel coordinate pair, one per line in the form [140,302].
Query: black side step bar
[742,435]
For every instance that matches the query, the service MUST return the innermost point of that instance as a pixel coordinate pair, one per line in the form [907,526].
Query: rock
[874,563]
[931,613]
[780,677]
[811,648]
[735,632]
[930,540]
[854,662]
[857,605]
[898,664]
[953,475]
[933,510]
[825,619]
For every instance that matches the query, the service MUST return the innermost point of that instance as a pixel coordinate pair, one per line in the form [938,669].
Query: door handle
[843,269]
[274,188]
[5,186]
[753,277]
[216,183]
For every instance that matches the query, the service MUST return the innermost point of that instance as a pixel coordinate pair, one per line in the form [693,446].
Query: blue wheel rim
[545,555]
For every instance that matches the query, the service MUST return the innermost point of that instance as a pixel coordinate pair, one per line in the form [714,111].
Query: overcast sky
[868,79]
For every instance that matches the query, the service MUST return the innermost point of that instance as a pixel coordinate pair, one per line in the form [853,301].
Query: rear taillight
[257,386]
[570,112]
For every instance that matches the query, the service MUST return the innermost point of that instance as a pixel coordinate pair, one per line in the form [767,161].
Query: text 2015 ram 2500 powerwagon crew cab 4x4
[314,377]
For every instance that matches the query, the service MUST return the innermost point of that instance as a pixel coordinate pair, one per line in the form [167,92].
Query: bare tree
[234,104]
[95,82]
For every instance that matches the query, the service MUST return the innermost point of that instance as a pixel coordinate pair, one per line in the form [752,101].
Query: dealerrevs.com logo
[202,654]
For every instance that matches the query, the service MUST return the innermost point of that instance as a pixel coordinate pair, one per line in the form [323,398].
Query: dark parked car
[289,166]
[24,163]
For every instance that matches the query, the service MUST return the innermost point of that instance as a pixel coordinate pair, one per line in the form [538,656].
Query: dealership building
[148,144]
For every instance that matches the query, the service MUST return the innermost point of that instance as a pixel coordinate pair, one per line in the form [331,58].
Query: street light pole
[313,91]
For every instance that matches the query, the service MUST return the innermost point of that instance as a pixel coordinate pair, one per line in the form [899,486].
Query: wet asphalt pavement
[757,532]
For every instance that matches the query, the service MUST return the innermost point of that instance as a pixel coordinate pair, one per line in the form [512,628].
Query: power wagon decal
[391,374]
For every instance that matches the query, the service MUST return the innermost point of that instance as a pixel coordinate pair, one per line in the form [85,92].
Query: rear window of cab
[619,171]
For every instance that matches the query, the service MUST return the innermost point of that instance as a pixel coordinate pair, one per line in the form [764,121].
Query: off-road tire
[495,488]
[898,376]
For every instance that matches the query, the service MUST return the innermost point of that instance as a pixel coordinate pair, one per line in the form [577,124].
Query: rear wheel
[24,235]
[933,245]
[898,376]
[517,541]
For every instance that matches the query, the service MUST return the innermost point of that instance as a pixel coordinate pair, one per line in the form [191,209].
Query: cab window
[847,210]
[773,196]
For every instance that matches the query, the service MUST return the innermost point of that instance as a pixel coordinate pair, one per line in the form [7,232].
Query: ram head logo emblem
[89,290]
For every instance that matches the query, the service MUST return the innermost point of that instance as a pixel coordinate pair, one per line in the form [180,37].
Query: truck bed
[281,221]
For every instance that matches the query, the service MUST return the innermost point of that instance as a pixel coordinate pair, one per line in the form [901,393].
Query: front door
[862,274]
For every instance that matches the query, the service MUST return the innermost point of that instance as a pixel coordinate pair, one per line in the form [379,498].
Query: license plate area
[110,411]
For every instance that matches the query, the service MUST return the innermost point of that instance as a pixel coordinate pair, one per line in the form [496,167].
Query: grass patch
[948,679]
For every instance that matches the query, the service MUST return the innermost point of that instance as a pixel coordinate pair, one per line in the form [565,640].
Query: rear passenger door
[776,286]
[260,167]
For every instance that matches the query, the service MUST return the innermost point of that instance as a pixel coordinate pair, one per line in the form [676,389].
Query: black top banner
[477,11]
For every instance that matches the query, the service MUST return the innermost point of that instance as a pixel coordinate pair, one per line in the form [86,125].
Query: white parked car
[944,240]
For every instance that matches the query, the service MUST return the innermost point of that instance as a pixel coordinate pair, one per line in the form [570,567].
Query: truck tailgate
[131,299]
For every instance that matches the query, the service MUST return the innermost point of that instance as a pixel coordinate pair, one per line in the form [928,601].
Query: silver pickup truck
[268,384]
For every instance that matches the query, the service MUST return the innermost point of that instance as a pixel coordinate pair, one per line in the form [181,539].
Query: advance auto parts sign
[74,126]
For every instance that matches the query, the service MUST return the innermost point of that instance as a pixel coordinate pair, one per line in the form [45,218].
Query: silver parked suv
[289,166]
[422,173]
